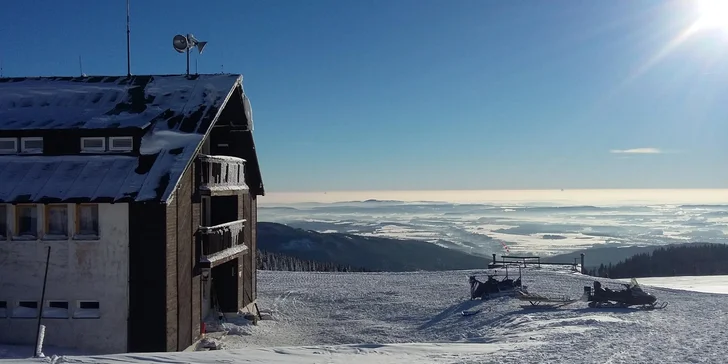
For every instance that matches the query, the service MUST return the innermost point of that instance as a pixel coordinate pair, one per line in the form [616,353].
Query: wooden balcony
[220,175]
[221,243]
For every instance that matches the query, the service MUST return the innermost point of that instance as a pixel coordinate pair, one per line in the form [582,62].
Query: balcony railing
[221,173]
[218,238]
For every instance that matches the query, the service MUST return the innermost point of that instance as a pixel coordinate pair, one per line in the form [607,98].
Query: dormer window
[93,144]
[31,145]
[121,144]
[8,145]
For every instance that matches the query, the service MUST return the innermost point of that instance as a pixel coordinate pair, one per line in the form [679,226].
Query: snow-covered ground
[415,317]
[707,284]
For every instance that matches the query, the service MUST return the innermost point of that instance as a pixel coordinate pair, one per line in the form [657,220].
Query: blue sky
[425,94]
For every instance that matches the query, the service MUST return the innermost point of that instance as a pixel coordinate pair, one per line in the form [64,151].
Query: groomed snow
[350,354]
[706,284]
[415,318]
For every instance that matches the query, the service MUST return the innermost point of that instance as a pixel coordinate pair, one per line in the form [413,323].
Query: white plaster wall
[95,270]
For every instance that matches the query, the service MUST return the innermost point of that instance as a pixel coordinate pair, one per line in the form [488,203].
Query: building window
[3,221]
[31,145]
[56,309]
[87,220]
[94,144]
[8,145]
[87,309]
[56,221]
[3,309]
[26,309]
[26,217]
[121,144]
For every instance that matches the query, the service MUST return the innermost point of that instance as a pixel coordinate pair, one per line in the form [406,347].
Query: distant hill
[371,253]
[594,257]
[671,260]
[605,255]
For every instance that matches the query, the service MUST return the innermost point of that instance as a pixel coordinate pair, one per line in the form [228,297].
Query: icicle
[235,232]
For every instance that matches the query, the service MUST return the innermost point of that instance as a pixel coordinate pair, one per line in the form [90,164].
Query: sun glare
[713,14]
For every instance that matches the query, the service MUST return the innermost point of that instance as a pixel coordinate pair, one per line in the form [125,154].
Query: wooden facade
[178,227]
[166,301]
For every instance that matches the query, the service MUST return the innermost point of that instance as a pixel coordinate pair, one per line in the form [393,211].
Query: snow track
[425,307]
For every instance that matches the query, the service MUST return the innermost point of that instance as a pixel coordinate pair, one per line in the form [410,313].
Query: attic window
[93,144]
[8,145]
[31,145]
[121,144]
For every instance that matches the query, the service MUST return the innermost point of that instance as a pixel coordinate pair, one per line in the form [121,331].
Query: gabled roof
[173,112]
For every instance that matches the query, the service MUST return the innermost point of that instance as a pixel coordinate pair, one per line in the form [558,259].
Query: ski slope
[415,318]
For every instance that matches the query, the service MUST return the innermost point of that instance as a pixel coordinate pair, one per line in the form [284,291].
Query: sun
[713,14]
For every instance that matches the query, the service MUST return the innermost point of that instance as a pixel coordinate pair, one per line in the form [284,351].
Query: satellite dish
[180,43]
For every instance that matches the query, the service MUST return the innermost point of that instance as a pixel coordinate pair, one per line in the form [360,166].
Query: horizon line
[510,190]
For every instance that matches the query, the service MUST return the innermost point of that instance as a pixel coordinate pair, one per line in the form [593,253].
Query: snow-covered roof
[174,113]
[74,178]
[111,102]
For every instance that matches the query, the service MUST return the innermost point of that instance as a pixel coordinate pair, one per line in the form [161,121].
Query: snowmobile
[631,295]
[492,288]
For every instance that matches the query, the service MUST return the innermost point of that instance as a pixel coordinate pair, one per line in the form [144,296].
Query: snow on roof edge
[238,82]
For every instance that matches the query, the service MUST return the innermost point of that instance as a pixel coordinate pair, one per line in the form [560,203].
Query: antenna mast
[128,49]
[80,66]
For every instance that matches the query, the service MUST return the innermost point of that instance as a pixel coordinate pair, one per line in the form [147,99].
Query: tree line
[668,261]
[276,261]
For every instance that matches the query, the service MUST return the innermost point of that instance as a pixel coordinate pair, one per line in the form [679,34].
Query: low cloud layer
[636,151]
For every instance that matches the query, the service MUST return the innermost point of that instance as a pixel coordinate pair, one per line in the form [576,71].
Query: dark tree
[671,260]
[275,261]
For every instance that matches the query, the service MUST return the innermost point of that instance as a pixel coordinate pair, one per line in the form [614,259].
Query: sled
[470,312]
[540,301]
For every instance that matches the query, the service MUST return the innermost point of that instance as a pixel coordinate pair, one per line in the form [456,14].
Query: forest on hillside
[671,260]
[373,253]
[275,261]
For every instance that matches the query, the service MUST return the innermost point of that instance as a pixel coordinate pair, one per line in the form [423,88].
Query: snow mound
[159,140]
